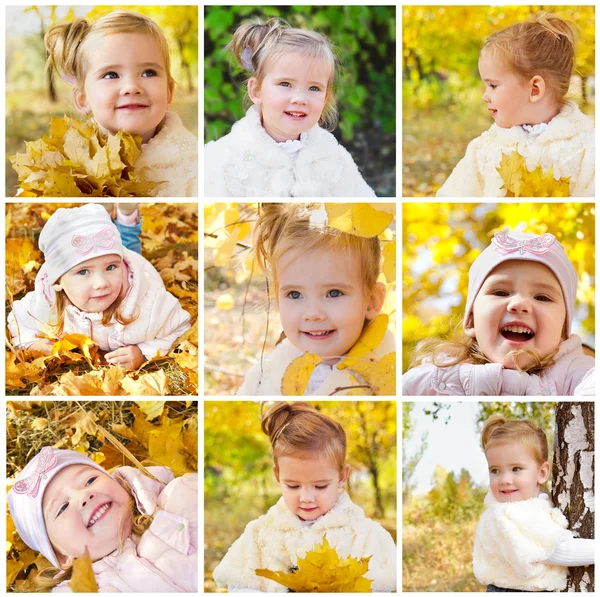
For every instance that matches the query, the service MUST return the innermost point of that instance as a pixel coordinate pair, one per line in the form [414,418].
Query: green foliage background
[365,37]
[29,101]
[441,88]
[441,241]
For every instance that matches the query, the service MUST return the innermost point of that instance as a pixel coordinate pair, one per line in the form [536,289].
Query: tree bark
[573,479]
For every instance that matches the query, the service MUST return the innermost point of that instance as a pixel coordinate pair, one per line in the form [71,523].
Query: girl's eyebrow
[327,285]
[491,80]
[154,65]
[319,481]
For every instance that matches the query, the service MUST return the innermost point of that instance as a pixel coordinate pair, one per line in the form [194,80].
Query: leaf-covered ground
[156,433]
[170,243]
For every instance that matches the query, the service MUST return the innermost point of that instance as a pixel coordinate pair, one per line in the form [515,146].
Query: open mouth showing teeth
[319,334]
[517,333]
[99,514]
[298,115]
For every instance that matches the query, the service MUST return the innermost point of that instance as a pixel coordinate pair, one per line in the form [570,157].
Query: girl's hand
[129,357]
[43,345]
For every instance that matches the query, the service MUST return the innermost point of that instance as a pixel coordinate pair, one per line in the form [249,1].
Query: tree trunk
[379,510]
[573,475]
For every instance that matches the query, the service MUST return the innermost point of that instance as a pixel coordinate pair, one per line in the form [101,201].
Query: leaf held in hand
[296,376]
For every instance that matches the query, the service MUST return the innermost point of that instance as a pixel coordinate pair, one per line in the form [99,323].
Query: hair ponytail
[62,44]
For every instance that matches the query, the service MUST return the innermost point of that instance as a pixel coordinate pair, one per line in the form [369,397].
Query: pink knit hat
[74,235]
[519,246]
[25,496]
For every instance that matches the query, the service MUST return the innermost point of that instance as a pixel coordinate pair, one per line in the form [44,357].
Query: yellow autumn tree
[441,241]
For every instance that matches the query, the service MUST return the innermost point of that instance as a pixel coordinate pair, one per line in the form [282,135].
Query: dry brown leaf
[148,384]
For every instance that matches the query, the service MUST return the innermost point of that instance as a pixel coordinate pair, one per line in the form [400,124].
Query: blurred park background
[240,322]
[239,485]
[444,482]
[441,88]
[365,38]
[32,97]
[441,241]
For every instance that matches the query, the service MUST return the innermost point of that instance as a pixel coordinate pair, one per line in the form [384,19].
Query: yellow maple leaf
[151,409]
[369,340]
[71,342]
[361,219]
[82,579]
[323,571]
[389,262]
[165,445]
[147,384]
[297,374]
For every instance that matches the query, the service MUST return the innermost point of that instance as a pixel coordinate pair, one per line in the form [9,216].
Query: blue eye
[153,73]
[285,84]
[83,272]
[62,509]
[109,75]
[315,88]
[111,267]
[516,469]
[335,293]
[90,480]
[294,294]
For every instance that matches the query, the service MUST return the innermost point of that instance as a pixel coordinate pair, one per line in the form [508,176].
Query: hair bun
[491,425]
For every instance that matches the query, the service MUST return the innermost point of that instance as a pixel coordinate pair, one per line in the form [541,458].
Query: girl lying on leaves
[325,284]
[90,284]
[120,70]
[141,532]
[309,462]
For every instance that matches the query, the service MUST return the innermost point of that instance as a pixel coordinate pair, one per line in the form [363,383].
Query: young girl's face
[126,86]
[322,302]
[520,305]
[292,95]
[515,475]
[84,507]
[95,284]
[506,95]
[310,486]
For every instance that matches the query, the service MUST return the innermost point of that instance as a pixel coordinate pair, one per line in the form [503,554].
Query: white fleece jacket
[567,146]
[161,319]
[514,538]
[278,538]
[266,380]
[249,163]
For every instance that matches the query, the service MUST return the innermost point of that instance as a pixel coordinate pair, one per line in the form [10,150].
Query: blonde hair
[544,46]
[283,226]
[498,430]
[46,577]
[460,348]
[66,43]
[296,428]
[267,41]
[110,313]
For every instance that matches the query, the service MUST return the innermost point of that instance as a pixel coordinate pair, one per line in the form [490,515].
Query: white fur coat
[170,157]
[249,163]
[566,146]
[512,541]
[278,538]
[266,380]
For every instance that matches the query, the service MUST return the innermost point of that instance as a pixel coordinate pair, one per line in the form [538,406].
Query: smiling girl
[517,327]
[309,464]
[141,531]
[279,148]
[527,70]
[90,284]
[120,69]
[522,543]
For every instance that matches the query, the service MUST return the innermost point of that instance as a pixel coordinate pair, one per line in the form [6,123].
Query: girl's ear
[376,301]
[344,476]
[276,473]
[66,562]
[171,90]
[254,90]
[470,331]
[544,473]
[56,287]
[537,89]
[80,101]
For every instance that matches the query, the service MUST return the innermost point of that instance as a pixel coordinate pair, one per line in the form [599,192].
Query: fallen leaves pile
[170,243]
[76,159]
[520,182]
[323,571]
[156,433]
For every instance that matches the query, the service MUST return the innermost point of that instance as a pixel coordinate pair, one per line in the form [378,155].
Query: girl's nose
[130,86]
[313,312]
[100,281]
[484,97]
[87,497]
[519,304]
[299,97]
[307,496]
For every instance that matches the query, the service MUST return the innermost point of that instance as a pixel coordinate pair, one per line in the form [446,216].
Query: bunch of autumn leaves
[77,160]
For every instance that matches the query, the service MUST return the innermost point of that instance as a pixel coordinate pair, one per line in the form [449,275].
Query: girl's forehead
[523,268]
[297,64]
[124,47]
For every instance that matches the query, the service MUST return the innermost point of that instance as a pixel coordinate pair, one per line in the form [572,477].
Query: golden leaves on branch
[323,571]
[520,182]
[76,159]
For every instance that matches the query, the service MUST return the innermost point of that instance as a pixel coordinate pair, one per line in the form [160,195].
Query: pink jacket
[567,377]
[165,558]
